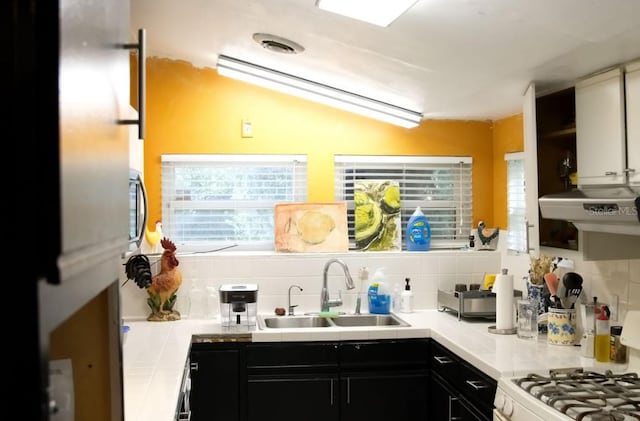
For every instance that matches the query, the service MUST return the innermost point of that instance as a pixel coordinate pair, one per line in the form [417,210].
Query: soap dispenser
[406,298]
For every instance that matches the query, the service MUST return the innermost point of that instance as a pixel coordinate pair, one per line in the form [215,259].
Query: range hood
[603,209]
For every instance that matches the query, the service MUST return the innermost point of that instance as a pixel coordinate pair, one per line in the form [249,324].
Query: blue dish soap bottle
[418,235]
[378,296]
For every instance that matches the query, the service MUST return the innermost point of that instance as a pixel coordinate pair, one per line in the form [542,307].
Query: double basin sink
[316,321]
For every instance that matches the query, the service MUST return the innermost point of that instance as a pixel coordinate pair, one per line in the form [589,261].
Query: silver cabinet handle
[450,416]
[629,170]
[348,390]
[610,173]
[142,82]
[443,360]
[331,390]
[527,227]
[476,384]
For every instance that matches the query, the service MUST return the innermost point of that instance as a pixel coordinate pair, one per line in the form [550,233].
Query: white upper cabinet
[600,129]
[632,86]
[531,170]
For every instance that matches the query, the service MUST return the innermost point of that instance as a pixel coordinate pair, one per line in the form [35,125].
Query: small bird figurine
[151,243]
[486,234]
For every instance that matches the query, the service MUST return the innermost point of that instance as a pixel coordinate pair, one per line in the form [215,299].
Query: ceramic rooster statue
[486,235]
[151,243]
[161,288]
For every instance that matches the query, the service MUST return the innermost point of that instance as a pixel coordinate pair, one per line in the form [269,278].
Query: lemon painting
[377,215]
[311,227]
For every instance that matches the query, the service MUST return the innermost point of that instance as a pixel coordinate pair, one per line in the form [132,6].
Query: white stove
[580,394]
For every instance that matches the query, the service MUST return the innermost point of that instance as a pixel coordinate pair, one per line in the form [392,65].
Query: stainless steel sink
[283,322]
[369,320]
[347,320]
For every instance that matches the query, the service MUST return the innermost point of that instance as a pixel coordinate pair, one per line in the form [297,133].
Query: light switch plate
[247,128]
[61,390]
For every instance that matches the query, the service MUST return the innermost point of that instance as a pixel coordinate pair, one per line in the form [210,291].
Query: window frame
[517,226]
[408,205]
[299,193]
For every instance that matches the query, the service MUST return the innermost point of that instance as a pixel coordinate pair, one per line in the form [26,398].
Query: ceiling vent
[277,44]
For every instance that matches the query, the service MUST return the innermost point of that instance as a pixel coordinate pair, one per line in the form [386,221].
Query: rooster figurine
[162,287]
[486,236]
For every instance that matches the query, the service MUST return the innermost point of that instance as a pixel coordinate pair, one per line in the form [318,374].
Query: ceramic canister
[561,326]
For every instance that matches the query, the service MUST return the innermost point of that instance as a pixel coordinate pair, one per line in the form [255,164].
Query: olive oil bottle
[602,345]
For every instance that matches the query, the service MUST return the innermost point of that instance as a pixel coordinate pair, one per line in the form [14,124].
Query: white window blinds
[211,201]
[516,204]
[440,185]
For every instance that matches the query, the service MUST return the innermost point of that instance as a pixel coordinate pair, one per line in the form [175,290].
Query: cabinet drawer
[477,387]
[445,363]
[292,356]
[391,353]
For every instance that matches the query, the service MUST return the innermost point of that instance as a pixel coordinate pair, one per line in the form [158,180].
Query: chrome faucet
[325,302]
[289,302]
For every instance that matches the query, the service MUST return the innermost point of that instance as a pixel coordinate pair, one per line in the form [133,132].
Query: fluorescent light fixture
[303,88]
[377,12]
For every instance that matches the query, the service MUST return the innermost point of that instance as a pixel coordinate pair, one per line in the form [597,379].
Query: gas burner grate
[587,395]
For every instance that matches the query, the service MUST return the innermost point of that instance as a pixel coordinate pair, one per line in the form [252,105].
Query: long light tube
[282,82]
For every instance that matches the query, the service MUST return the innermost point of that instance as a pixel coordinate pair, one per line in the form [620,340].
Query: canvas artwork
[311,227]
[377,215]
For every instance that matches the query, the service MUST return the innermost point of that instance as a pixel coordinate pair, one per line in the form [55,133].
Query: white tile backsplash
[275,272]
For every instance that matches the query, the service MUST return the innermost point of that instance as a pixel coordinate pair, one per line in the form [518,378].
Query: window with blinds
[214,201]
[516,205]
[440,185]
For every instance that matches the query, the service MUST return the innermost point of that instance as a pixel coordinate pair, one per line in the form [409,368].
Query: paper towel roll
[503,288]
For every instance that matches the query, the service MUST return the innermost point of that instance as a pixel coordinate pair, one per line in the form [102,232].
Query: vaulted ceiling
[450,59]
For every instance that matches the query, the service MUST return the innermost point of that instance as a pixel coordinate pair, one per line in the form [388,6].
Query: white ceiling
[450,59]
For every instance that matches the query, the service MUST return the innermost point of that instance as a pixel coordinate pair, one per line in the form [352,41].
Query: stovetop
[586,395]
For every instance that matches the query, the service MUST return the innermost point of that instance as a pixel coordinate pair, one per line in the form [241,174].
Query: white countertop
[154,353]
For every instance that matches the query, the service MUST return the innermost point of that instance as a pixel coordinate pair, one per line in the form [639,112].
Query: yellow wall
[193,110]
[507,137]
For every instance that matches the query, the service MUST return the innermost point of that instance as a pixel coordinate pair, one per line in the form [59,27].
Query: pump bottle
[406,298]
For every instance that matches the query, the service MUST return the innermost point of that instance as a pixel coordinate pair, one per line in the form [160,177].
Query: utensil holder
[561,324]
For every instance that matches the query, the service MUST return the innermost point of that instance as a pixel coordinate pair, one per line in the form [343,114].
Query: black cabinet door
[447,404]
[215,385]
[389,395]
[443,400]
[312,397]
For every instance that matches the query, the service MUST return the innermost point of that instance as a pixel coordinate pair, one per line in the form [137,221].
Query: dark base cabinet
[332,381]
[378,380]
[447,404]
[217,386]
[308,397]
[384,396]
[292,381]
[459,391]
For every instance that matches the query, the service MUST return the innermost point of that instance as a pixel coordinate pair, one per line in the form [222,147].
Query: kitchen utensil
[573,284]
[552,281]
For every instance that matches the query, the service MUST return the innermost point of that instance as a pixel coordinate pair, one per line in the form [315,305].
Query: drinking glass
[527,325]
